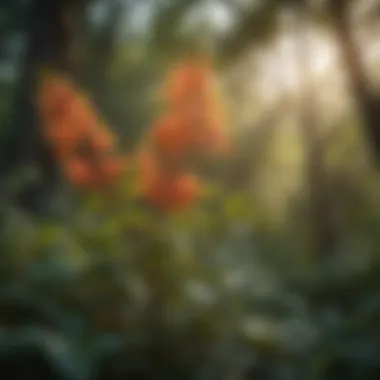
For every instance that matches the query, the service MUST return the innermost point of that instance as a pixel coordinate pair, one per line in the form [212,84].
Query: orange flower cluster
[84,147]
[192,126]
[195,109]
[168,189]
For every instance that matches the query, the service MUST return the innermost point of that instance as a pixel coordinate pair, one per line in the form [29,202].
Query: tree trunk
[367,100]
[102,49]
[322,230]
[50,29]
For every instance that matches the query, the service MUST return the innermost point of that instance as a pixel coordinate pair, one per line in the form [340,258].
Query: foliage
[100,278]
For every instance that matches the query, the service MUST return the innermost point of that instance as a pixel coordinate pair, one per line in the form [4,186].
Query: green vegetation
[273,273]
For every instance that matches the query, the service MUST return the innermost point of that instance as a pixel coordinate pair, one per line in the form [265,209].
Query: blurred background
[273,273]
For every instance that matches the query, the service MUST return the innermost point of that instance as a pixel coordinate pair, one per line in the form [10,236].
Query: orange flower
[81,115]
[172,193]
[89,174]
[149,169]
[193,125]
[102,140]
[112,168]
[186,190]
[80,173]
[188,80]
[145,159]
[54,97]
[171,136]
[62,138]
[69,122]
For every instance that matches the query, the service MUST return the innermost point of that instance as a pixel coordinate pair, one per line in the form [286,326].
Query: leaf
[237,207]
